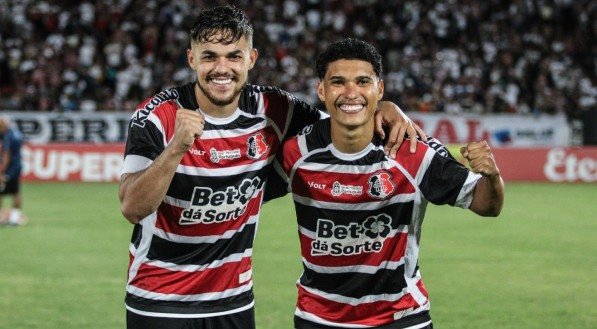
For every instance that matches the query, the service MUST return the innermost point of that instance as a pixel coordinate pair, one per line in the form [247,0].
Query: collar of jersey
[350,156]
[222,121]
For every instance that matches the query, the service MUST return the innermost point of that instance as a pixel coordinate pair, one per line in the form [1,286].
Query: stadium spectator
[10,172]
[458,56]
[194,173]
[360,213]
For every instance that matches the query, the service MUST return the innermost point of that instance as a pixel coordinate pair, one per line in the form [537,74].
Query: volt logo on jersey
[256,146]
[352,239]
[381,185]
[210,207]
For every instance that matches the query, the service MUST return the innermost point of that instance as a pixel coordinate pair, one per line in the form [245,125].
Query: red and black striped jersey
[359,223]
[192,257]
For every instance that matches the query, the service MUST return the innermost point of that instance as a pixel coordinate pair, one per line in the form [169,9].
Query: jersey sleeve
[303,115]
[446,181]
[145,141]
[279,171]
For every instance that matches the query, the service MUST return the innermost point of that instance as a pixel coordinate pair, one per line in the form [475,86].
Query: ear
[380,87]
[190,58]
[320,91]
[253,55]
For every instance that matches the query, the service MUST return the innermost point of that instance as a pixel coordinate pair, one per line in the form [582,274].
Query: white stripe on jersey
[465,197]
[314,318]
[209,296]
[261,112]
[368,269]
[191,315]
[341,169]
[223,171]
[147,227]
[206,238]
[374,205]
[355,301]
[233,258]
[134,163]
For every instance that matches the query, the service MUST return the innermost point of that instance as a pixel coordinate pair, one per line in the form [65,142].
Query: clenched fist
[480,158]
[188,126]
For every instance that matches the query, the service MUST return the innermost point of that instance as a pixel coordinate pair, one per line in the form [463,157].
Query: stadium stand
[457,56]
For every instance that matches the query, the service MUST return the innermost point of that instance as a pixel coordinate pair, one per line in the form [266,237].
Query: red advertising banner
[102,163]
[571,165]
[72,162]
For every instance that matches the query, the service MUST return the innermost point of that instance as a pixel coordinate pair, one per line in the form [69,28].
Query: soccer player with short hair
[193,177]
[360,212]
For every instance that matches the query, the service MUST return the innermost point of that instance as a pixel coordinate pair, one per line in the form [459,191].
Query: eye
[364,82]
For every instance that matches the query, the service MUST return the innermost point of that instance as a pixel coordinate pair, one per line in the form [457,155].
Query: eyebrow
[234,52]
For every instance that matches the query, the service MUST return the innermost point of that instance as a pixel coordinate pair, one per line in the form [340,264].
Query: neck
[352,139]
[213,110]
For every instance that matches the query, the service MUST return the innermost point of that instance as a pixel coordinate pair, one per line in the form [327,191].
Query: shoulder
[163,102]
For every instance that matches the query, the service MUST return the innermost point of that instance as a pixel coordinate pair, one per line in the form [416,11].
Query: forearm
[488,198]
[141,193]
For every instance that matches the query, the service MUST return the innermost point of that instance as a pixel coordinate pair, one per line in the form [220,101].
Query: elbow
[130,213]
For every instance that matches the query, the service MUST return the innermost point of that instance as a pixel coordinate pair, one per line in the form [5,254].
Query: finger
[412,133]
[399,141]
[379,127]
[464,152]
[420,132]
[392,138]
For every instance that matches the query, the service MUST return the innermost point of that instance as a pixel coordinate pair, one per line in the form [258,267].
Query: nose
[221,65]
[350,90]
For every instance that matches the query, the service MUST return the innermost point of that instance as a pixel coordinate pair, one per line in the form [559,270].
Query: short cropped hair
[230,21]
[348,48]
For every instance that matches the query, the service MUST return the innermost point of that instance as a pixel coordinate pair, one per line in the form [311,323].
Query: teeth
[351,107]
[221,81]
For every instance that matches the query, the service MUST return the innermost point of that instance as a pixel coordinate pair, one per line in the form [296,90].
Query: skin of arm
[142,192]
[488,198]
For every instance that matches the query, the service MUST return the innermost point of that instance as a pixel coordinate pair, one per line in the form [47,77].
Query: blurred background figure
[10,172]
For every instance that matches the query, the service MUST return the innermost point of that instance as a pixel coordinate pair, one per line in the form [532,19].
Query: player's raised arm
[142,192]
[488,198]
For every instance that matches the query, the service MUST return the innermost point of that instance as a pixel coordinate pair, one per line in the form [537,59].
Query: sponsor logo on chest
[355,238]
[209,207]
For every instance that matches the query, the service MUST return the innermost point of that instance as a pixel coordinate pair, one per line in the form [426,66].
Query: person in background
[196,164]
[10,172]
[360,212]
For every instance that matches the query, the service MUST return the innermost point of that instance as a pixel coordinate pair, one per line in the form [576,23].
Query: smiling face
[222,71]
[350,90]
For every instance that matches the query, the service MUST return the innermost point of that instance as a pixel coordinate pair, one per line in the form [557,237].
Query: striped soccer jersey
[359,220]
[192,257]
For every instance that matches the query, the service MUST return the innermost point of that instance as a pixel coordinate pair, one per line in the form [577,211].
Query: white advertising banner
[499,130]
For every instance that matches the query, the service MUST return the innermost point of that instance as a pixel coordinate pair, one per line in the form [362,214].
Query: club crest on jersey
[346,240]
[209,206]
[256,146]
[143,113]
[381,185]
[216,156]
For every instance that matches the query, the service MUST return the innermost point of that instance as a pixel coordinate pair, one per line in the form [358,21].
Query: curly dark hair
[348,48]
[230,21]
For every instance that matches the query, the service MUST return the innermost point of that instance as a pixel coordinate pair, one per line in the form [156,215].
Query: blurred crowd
[453,56]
